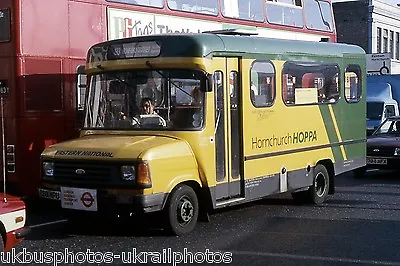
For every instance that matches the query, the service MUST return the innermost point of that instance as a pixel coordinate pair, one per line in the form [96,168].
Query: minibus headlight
[397,151]
[48,168]
[128,172]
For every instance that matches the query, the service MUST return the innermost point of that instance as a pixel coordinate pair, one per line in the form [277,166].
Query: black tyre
[319,190]
[181,210]
[359,172]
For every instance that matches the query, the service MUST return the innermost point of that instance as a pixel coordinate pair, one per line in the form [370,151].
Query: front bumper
[111,201]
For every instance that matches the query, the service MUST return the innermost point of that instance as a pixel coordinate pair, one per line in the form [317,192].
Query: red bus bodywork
[48,40]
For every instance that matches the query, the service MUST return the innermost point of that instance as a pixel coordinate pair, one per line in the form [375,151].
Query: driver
[147,108]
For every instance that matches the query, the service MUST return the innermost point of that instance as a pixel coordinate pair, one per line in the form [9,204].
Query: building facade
[372,24]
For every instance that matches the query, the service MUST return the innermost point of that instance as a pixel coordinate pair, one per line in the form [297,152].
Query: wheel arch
[202,193]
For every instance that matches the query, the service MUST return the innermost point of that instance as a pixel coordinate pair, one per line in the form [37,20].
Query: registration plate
[379,161]
[49,194]
[79,198]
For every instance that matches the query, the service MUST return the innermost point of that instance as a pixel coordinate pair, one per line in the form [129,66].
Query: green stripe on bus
[330,130]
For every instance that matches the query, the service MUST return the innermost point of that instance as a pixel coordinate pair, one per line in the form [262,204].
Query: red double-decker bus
[43,45]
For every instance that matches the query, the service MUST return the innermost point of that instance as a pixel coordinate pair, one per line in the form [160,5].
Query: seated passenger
[196,96]
[148,116]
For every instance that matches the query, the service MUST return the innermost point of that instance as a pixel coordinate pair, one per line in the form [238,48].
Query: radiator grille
[94,172]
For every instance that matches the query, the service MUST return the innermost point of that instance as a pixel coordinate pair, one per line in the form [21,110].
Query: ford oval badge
[80,171]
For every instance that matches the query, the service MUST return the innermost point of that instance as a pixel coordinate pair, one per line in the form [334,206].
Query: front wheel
[182,210]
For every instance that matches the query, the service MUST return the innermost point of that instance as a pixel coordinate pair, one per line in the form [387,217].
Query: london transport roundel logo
[87,199]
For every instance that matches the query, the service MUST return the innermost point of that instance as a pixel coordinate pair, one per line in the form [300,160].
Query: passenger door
[228,144]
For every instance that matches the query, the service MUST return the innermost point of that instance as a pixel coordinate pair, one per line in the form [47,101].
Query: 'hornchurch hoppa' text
[290,138]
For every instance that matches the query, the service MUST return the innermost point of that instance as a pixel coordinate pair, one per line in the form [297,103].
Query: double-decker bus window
[285,12]
[353,83]
[310,83]
[43,92]
[262,84]
[151,3]
[5,25]
[247,10]
[318,15]
[209,7]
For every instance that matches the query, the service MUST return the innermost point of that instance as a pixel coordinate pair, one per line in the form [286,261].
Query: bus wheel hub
[185,210]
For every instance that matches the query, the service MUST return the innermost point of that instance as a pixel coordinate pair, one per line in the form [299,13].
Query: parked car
[12,221]
[383,146]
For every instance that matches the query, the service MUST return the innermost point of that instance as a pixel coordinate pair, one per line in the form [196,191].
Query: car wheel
[181,210]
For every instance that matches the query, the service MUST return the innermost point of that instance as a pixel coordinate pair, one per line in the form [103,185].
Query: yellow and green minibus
[234,118]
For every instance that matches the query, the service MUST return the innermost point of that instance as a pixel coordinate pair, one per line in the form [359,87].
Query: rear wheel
[182,210]
[319,190]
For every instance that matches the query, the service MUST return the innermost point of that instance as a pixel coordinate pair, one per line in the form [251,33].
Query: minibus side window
[353,83]
[310,83]
[262,84]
